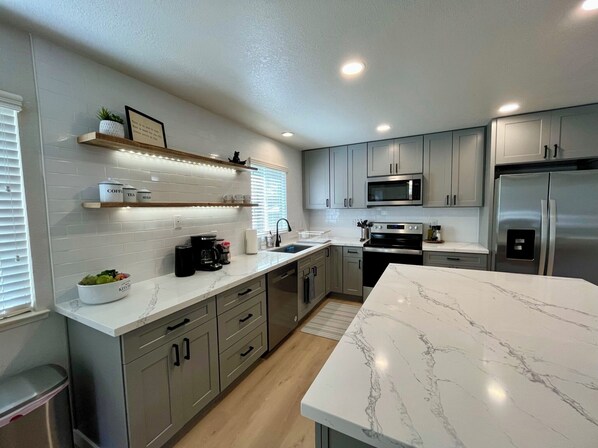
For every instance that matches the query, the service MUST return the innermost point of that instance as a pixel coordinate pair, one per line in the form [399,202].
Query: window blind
[269,190]
[15,266]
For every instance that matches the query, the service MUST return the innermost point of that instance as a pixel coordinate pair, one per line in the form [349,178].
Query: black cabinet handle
[391,168]
[249,316]
[352,252]
[453,258]
[447,200]
[244,293]
[350,202]
[454,199]
[545,151]
[180,324]
[177,355]
[315,271]
[187,343]
[327,202]
[556,148]
[249,350]
[359,264]
[345,202]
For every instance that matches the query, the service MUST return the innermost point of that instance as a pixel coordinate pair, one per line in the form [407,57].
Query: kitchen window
[269,190]
[16,288]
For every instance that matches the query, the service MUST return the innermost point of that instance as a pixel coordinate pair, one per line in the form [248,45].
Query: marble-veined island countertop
[441,357]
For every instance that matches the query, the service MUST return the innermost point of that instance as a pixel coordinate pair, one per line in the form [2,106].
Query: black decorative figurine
[236,159]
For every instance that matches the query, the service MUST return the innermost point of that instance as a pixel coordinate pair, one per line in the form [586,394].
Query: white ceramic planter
[111,191]
[112,128]
[108,292]
[129,193]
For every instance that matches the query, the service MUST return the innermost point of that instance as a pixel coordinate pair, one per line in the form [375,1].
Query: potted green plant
[111,124]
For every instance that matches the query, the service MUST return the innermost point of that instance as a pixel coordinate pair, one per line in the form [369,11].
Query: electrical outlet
[178,222]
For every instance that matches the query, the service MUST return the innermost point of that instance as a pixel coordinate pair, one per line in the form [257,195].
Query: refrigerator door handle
[543,236]
[552,236]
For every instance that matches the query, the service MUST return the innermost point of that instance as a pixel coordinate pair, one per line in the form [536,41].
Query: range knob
[410,227]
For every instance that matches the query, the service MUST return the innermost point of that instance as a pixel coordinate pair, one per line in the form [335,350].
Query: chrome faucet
[277,235]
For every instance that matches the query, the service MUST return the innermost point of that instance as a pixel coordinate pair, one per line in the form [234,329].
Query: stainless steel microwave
[394,190]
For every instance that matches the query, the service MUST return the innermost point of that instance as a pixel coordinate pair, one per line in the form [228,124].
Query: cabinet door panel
[339,196]
[468,168]
[153,397]
[358,161]
[199,373]
[380,158]
[336,269]
[522,138]
[316,182]
[320,279]
[353,282]
[575,132]
[408,155]
[438,153]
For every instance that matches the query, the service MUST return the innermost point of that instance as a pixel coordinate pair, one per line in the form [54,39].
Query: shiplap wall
[71,88]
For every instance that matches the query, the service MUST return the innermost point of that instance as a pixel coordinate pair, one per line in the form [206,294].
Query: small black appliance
[205,255]
[183,261]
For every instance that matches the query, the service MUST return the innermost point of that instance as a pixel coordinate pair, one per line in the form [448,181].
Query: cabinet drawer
[238,322]
[147,338]
[239,357]
[231,298]
[305,263]
[318,257]
[355,252]
[456,260]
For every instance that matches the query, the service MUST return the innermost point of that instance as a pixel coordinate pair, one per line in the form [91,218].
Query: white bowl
[107,292]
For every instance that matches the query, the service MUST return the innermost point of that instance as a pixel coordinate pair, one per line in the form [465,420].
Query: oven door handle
[392,251]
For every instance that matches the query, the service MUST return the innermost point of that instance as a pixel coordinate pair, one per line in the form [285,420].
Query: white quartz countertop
[440,357]
[153,299]
[447,246]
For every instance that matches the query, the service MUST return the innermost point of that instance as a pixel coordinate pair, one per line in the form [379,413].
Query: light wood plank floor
[263,411]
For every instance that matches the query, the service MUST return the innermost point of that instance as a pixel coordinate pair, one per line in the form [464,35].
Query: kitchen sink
[291,248]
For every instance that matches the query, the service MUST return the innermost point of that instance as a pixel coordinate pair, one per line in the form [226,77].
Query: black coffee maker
[205,255]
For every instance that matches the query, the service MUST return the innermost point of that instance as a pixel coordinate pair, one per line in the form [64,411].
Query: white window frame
[14,102]
[260,163]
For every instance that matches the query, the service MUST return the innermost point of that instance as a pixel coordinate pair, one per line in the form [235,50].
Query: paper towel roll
[250,241]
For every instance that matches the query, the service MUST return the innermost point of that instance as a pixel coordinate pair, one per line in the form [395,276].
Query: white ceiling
[273,65]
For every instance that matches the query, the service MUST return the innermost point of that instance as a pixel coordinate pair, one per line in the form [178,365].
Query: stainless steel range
[390,242]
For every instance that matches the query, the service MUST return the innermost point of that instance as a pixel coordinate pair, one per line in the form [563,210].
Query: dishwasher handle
[284,275]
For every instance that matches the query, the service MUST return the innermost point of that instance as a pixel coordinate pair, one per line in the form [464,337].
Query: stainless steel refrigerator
[547,224]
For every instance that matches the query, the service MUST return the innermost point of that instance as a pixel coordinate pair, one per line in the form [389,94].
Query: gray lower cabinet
[311,268]
[352,271]
[454,168]
[562,134]
[336,269]
[316,179]
[241,355]
[456,260]
[170,385]
[139,389]
[329,438]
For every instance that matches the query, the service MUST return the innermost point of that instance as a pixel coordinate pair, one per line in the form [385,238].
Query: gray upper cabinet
[316,178]
[438,150]
[454,168]
[348,174]
[339,197]
[408,155]
[357,171]
[399,156]
[153,391]
[523,138]
[468,168]
[380,158]
[574,133]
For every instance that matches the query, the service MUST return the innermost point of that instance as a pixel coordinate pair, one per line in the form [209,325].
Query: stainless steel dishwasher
[282,303]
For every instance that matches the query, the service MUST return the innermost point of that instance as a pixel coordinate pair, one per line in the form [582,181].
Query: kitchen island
[441,357]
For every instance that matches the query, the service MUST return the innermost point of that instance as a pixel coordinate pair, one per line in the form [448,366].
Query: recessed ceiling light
[509,107]
[287,134]
[590,5]
[352,68]
[383,127]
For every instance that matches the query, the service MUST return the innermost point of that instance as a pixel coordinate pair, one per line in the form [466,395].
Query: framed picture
[145,129]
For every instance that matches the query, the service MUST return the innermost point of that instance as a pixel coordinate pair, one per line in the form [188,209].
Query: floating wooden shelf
[163,204]
[125,145]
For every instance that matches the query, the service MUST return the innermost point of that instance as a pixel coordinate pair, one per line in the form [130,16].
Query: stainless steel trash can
[34,409]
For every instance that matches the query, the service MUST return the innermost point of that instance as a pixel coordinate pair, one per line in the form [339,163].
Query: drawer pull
[249,350]
[352,252]
[180,324]
[187,343]
[244,293]
[453,258]
[249,316]
[177,356]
